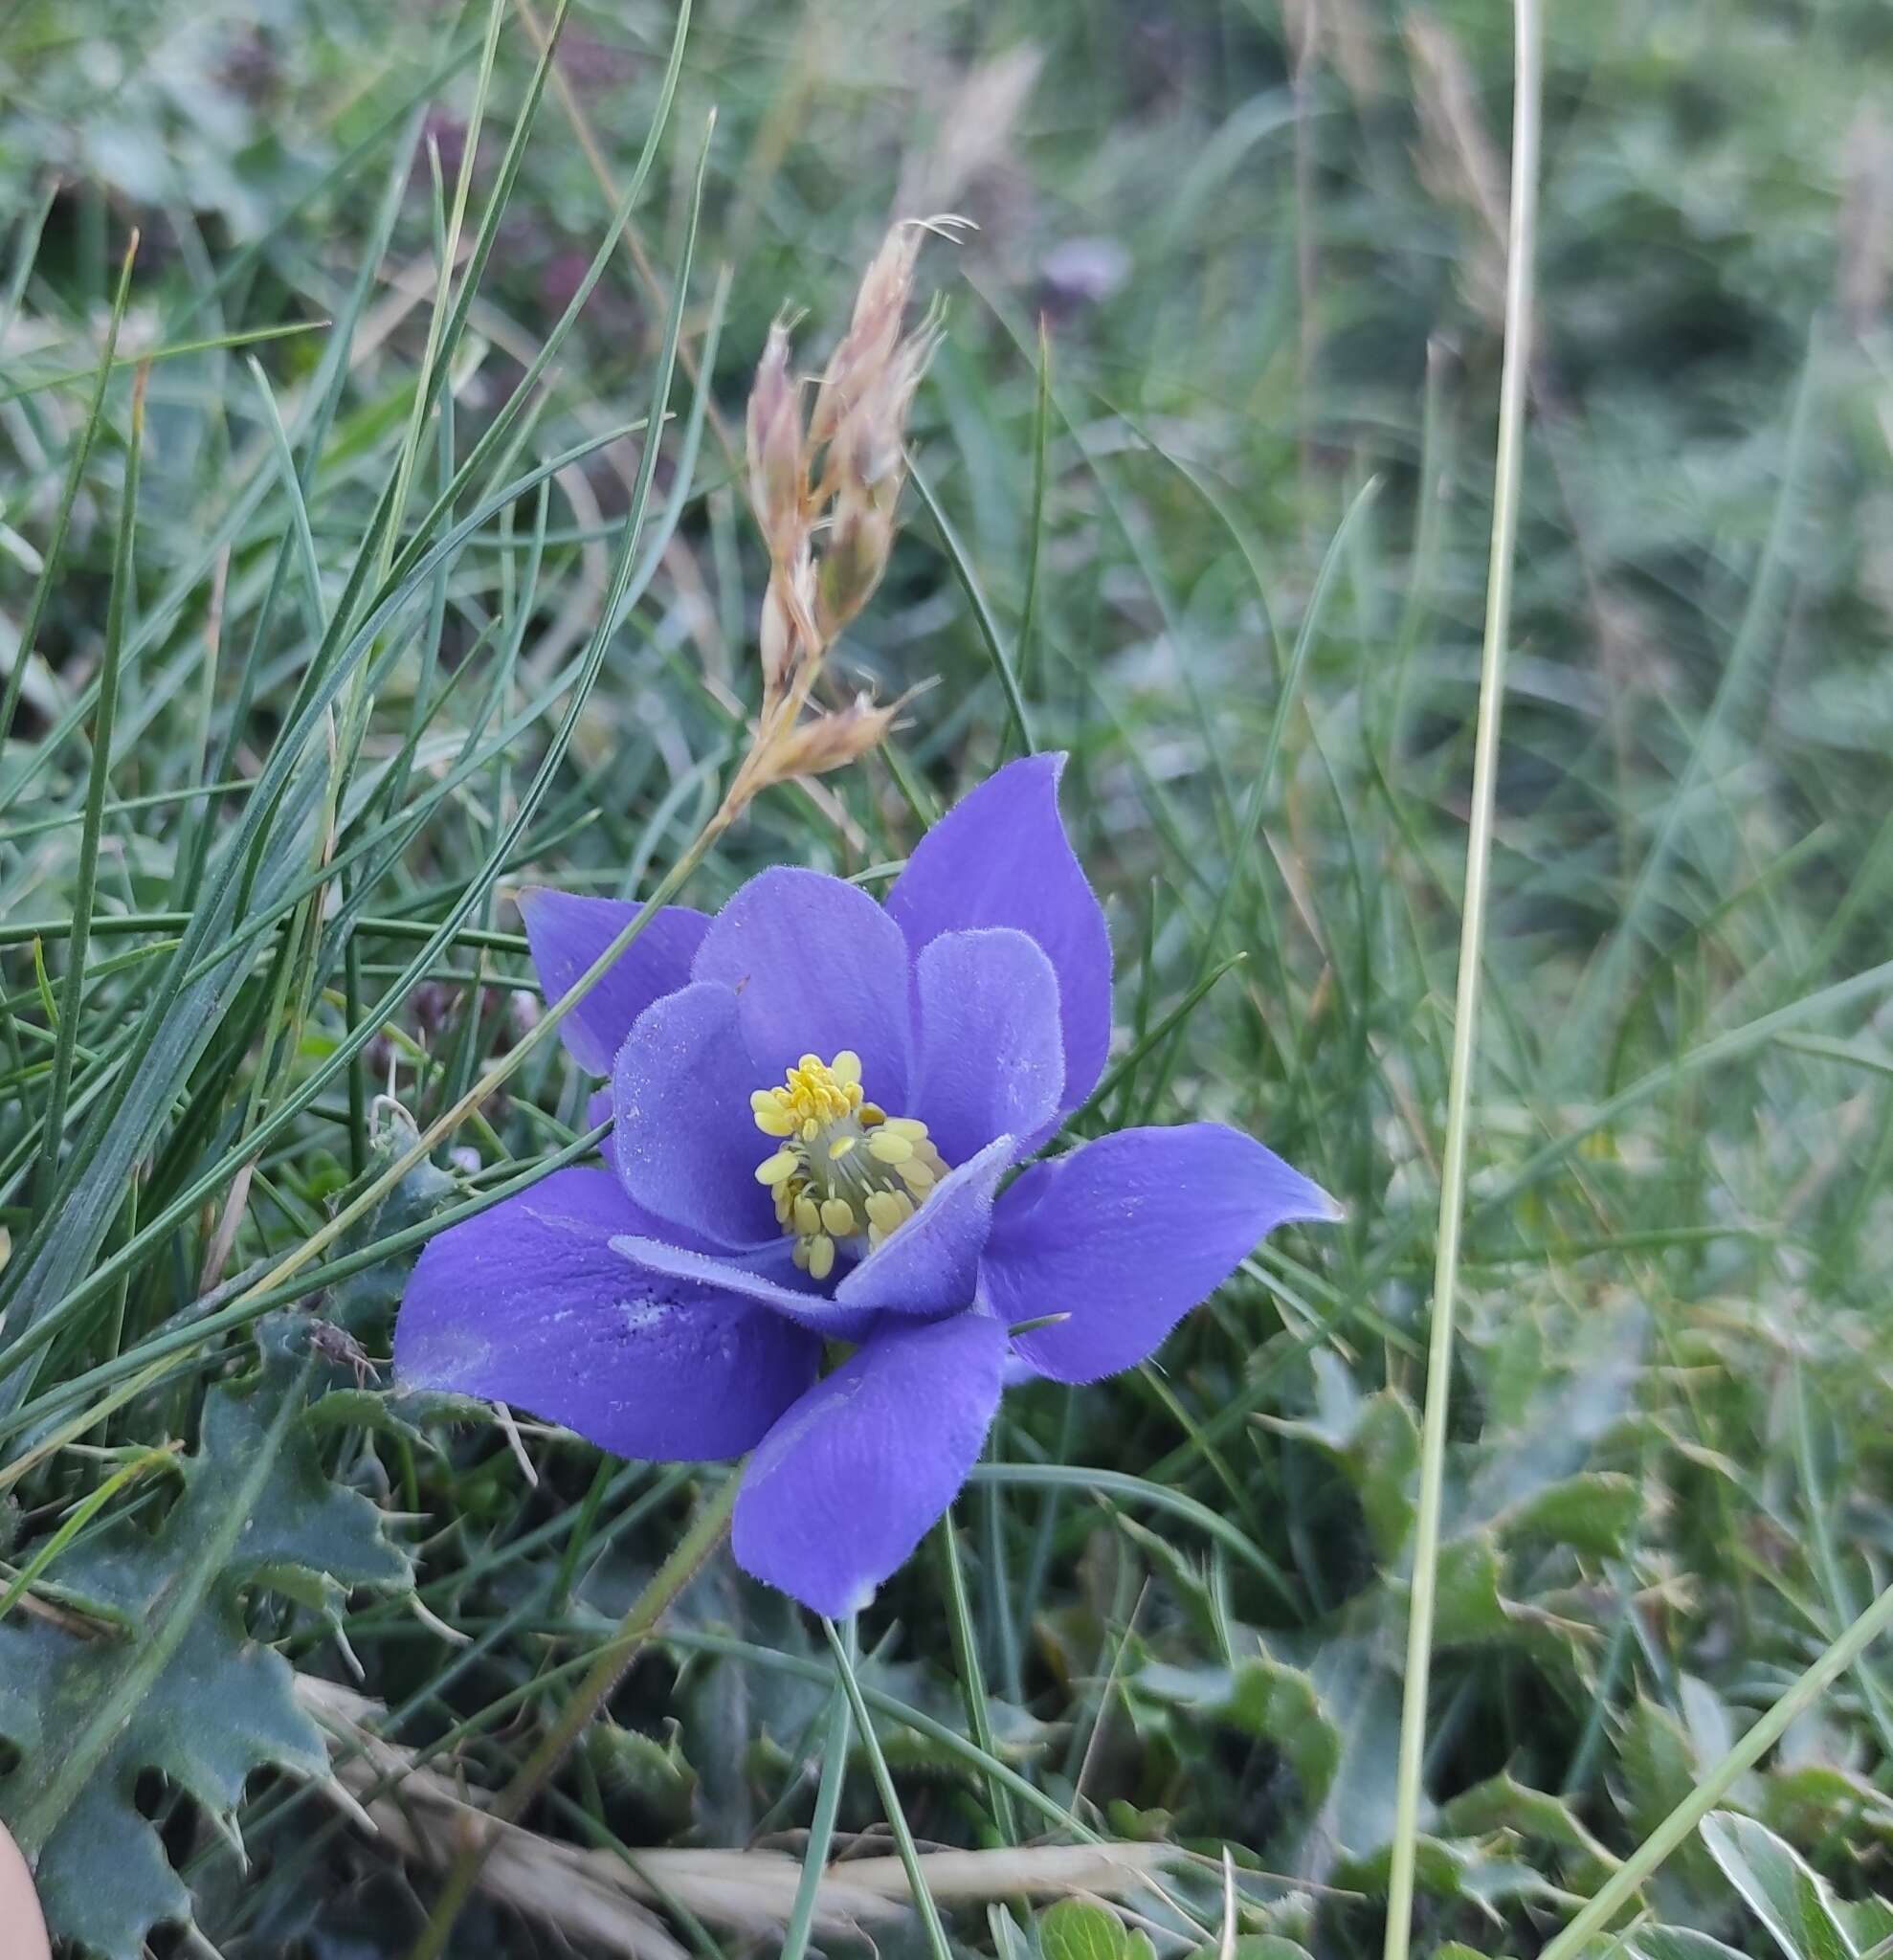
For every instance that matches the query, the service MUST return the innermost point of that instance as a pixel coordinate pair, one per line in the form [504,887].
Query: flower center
[845,1170]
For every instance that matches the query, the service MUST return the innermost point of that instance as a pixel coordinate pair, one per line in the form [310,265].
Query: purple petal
[567,933]
[751,1280]
[992,1057]
[1001,857]
[816,967]
[1126,1234]
[528,1303]
[683,1138]
[931,1264]
[847,1484]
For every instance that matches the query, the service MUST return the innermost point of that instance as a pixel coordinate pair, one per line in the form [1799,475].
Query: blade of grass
[1514,372]
[821,1826]
[890,1799]
[982,612]
[1041,431]
[172,351]
[85,883]
[75,474]
[972,1678]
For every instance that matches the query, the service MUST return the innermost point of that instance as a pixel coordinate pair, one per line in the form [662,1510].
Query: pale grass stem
[1472,933]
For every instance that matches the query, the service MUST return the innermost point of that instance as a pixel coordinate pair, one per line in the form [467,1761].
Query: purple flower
[815,1099]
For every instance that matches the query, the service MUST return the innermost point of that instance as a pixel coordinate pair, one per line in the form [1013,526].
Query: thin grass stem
[1472,937]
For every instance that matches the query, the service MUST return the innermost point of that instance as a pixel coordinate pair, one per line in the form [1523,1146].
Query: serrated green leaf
[1502,1803]
[1805,1803]
[409,1413]
[1374,1440]
[1469,1606]
[1383,1461]
[187,1691]
[1280,1704]
[1593,1512]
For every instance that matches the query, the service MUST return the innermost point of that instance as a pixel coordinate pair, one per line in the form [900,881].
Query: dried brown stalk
[421,1813]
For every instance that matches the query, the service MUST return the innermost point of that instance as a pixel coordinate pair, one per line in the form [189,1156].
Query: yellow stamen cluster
[845,1170]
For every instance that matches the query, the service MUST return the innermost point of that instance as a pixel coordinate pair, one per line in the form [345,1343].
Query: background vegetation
[356,609]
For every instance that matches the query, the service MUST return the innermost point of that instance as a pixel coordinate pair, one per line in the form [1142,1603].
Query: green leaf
[1376,1442]
[1280,1704]
[1502,1803]
[1659,1761]
[1794,1905]
[1469,1606]
[1383,1461]
[188,1691]
[1078,1929]
[1670,1943]
[1593,1512]
[1255,1946]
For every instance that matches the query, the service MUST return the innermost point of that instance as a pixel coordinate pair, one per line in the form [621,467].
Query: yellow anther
[829,1193]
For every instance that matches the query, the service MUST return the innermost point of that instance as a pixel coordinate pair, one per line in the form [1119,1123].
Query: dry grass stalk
[594,1895]
[1865,268]
[976,125]
[824,487]
[1456,157]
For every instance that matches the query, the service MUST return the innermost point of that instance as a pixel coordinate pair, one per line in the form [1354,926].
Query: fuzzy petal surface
[683,1138]
[931,1264]
[1000,857]
[1126,1234]
[528,1303]
[991,1059]
[566,932]
[816,966]
[851,1478]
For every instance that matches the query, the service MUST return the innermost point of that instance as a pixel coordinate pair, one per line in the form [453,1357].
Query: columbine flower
[814,1101]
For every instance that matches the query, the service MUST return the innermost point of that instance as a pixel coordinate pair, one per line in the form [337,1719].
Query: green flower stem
[1762,1736]
[707,1532]
[1465,1012]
